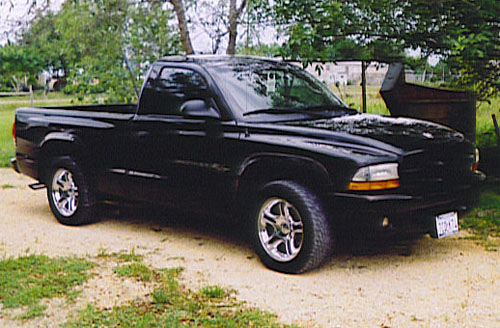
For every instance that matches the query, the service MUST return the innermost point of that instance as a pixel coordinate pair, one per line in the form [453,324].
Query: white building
[348,72]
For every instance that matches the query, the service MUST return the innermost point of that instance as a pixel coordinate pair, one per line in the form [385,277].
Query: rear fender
[58,137]
[58,144]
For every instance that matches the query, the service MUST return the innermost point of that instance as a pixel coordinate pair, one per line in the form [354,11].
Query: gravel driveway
[420,283]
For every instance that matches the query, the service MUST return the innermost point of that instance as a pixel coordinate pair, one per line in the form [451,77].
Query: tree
[17,64]
[234,15]
[465,32]
[261,50]
[183,27]
[43,39]
[221,26]
[103,46]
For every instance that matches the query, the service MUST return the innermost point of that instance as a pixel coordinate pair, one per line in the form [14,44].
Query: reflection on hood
[400,131]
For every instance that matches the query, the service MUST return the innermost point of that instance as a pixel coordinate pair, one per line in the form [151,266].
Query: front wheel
[290,228]
[69,194]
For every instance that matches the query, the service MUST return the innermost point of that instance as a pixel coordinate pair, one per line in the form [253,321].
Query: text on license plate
[447,224]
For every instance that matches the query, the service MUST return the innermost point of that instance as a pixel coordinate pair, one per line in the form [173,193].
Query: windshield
[266,87]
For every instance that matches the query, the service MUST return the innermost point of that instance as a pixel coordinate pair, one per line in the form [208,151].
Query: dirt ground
[420,283]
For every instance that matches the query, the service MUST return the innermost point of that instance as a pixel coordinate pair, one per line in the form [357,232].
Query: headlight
[376,177]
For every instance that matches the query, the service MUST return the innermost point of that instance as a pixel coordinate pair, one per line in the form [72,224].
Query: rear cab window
[168,88]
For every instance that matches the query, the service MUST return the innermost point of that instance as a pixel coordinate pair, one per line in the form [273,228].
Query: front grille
[435,171]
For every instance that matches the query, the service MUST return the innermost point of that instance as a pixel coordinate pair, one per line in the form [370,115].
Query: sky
[14,11]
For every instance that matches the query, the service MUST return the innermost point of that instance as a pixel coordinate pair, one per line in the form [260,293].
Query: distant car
[255,139]
[57,84]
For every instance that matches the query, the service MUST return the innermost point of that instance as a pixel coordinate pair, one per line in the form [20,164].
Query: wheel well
[52,150]
[255,176]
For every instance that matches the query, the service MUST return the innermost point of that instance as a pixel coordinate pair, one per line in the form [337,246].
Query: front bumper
[397,203]
[400,211]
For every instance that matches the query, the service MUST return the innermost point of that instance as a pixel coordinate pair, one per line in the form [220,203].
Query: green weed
[129,257]
[26,280]
[34,310]
[171,305]
[134,270]
[484,219]
[121,256]
[214,292]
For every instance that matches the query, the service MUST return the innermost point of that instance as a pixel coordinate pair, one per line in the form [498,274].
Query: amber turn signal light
[374,185]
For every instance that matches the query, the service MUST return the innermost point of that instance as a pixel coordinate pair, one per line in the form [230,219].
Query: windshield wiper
[271,110]
[329,107]
[319,110]
[281,110]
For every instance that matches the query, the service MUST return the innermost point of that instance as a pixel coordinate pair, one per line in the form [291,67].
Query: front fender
[264,167]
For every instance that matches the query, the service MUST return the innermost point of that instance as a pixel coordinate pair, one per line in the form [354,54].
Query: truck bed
[81,115]
[109,108]
[34,124]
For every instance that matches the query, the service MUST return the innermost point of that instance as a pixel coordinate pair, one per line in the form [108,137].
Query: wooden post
[247,43]
[497,131]
[31,94]
[363,84]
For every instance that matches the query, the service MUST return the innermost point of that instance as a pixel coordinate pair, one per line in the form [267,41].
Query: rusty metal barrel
[453,108]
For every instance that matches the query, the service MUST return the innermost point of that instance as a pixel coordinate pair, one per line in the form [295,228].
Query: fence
[24,93]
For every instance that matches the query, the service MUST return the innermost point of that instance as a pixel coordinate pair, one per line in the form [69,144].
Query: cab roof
[206,59]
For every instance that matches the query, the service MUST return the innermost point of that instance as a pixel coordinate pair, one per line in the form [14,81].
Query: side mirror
[198,108]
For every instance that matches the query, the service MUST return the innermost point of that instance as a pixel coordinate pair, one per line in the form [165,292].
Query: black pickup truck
[257,140]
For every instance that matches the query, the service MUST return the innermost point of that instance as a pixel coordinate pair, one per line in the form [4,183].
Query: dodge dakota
[256,140]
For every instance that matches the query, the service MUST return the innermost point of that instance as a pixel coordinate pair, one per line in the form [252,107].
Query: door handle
[142,134]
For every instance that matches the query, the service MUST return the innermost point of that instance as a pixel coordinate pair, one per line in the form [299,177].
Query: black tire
[83,207]
[306,250]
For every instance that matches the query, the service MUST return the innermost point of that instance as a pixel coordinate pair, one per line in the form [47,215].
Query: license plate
[447,224]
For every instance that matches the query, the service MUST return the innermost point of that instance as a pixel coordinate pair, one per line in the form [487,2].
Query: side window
[165,93]
[183,80]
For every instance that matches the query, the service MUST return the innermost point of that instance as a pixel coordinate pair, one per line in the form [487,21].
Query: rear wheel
[290,228]
[69,194]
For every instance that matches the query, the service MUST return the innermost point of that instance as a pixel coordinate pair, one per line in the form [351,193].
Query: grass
[485,133]
[26,280]
[134,270]
[216,292]
[351,95]
[7,149]
[484,219]
[172,305]
[122,256]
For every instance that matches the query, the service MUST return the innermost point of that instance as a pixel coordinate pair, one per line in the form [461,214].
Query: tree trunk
[234,15]
[183,28]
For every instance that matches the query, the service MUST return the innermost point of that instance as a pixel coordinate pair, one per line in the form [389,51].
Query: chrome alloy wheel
[280,229]
[64,192]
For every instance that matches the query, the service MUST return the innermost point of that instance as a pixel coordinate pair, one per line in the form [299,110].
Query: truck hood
[404,133]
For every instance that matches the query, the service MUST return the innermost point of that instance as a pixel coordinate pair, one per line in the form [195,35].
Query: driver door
[176,141]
